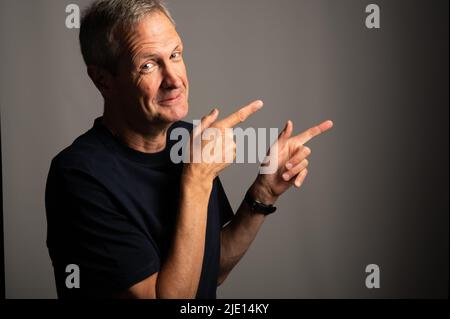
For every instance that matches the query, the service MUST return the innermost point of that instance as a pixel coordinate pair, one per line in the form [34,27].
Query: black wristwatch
[259,207]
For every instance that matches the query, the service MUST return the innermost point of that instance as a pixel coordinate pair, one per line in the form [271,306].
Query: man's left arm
[239,233]
[237,236]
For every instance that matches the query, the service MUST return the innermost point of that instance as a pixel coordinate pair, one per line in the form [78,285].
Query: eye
[176,56]
[147,67]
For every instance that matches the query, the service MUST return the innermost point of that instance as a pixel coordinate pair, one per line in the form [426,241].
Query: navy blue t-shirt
[111,211]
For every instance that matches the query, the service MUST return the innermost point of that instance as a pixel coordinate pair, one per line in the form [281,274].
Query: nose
[170,78]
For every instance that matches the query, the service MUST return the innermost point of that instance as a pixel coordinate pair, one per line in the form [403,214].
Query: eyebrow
[147,55]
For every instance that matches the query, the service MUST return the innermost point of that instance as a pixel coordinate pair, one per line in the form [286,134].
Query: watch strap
[259,207]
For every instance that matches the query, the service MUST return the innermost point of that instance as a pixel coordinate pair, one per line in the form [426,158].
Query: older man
[136,224]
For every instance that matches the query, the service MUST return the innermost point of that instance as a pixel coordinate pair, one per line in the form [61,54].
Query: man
[136,224]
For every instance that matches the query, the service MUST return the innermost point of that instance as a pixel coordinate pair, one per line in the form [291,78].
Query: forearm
[180,274]
[238,235]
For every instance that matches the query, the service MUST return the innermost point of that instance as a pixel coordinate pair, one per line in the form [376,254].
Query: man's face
[151,84]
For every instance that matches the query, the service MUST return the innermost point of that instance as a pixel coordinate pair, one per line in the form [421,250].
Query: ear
[102,78]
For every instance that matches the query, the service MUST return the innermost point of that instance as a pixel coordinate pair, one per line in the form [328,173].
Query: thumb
[207,120]
[287,131]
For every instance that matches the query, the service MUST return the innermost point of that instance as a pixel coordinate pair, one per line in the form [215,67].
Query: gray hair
[100,21]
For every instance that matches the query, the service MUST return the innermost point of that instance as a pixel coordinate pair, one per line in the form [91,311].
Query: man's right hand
[212,146]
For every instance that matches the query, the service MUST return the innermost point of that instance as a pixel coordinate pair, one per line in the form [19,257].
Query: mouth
[171,100]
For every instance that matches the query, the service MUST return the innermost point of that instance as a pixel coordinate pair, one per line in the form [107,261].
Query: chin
[177,113]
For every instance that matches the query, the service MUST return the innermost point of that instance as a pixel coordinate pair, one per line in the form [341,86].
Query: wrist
[262,193]
[192,179]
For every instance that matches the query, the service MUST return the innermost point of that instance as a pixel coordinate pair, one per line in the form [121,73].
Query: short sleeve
[226,212]
[86,227]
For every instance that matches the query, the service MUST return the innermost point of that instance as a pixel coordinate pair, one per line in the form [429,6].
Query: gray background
[377,191]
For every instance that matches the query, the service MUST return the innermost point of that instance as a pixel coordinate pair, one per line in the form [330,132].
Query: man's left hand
[292,163]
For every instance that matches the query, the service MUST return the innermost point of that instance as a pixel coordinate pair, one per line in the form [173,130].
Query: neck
[150,139]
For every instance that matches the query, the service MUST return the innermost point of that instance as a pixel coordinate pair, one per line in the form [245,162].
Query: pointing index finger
[314,131]
[241,115]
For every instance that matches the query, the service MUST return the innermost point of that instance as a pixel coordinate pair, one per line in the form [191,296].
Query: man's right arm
[180,274]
